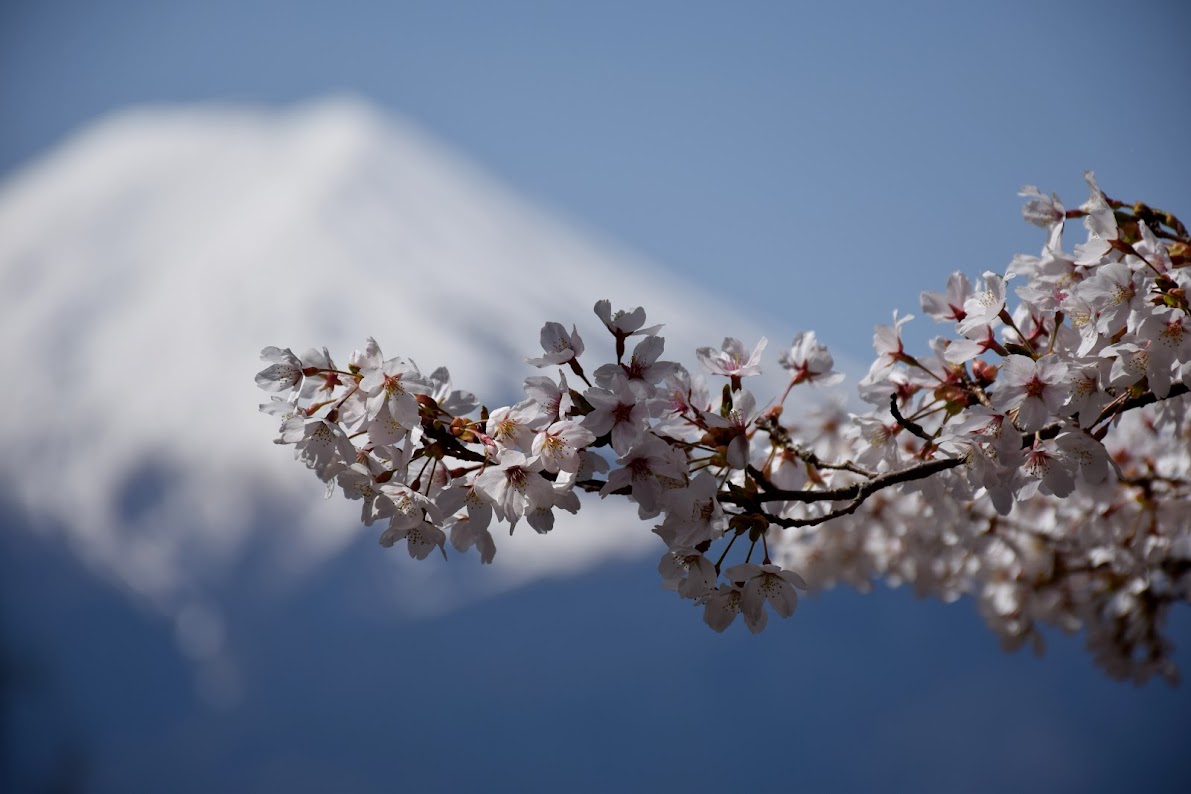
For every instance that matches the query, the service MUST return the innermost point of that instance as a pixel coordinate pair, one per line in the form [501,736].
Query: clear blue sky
[789,153]
[823,163]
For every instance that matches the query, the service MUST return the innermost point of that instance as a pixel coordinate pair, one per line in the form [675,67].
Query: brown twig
[856,491]
[913,427]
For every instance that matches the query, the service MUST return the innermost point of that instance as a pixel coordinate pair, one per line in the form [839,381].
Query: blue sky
[763,150]
[818,165]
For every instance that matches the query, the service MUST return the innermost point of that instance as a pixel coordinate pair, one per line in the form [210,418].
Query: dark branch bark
[860,490]
[1140,401]
[913,427]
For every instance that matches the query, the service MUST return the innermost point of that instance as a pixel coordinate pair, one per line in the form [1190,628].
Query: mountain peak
[145,263]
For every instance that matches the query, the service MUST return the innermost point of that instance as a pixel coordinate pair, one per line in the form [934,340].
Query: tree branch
[1140,401]
[913,427]
[859,491]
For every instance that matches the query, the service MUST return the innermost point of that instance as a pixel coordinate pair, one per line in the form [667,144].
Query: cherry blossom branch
[781,439]
[1037,498]
[1140,401]
[913,427]
[862,492]
[857,491]
[1126,403]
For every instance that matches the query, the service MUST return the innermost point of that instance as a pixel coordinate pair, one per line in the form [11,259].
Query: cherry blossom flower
[687,570]
[810,361]
[467,531]
[882,449]
[405,507]
[1050,277]
[693,514]
[948,306]
[732,359]
[619,411]
[1099,220]
[887,343]
[641,469]
[1049,469]
[996,473]
[284,373]
[515,426]
[1041,210]
[960,351]
[1152,251]
[541,516]
[722,605]
[471,528]
[622,321]
[560,346]
[558,445]
[680,402]
[392,385]
[384,430]
[358,482]
[421,538]
[1167,333]
[319,376]
[643,371]
[1113,292]
[984,307]
[623,324]
[453,401]
[319,443]
[766,583]
[736,422]
[1130,363]
[1037,389]
[590,465]
[1088,397]
[514,486]
[554,398]
[1088,455]
[281,407]
[991,427]
[1084,319]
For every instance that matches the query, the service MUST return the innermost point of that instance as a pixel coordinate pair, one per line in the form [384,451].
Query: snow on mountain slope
[145,263]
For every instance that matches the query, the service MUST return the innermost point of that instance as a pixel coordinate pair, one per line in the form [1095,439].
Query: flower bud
[983,373]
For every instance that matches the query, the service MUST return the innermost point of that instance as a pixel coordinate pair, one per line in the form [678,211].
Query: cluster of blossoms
[1038,458]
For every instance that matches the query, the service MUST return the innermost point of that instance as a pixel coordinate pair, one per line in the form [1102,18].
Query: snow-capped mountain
[146,262]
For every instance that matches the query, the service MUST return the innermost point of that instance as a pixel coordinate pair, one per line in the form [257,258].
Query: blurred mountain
[145,263]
